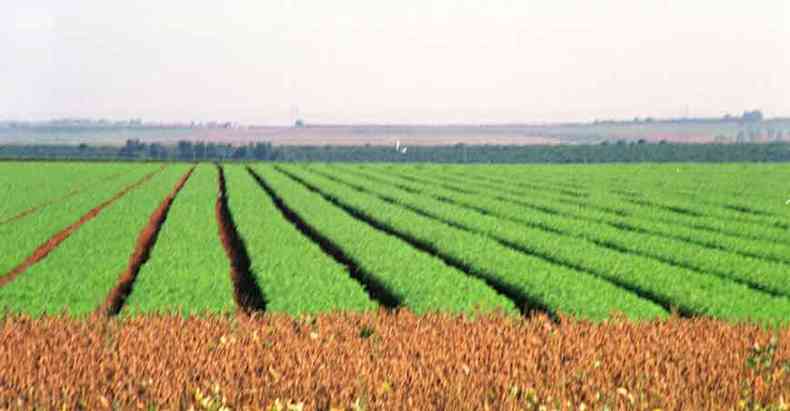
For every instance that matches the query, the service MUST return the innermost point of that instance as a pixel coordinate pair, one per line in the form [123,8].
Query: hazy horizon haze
[421,62]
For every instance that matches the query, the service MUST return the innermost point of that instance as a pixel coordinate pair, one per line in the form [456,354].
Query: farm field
[642,241]
[348,253]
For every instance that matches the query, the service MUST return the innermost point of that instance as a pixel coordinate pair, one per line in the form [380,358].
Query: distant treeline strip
[619,152]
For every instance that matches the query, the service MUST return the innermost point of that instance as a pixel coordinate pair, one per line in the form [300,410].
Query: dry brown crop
[390,361]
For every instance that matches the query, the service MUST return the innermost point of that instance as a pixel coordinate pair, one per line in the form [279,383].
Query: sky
[406,61]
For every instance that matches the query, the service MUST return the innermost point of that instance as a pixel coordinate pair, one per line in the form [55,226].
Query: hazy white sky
[419,61]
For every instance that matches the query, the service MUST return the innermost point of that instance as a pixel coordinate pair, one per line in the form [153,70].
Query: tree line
[640,151]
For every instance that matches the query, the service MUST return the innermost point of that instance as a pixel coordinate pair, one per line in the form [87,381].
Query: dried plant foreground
[390,361]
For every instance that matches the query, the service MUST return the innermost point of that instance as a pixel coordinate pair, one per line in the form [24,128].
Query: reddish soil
[145,242]
[66,196]
[390,361]
[246,292]
[44,249]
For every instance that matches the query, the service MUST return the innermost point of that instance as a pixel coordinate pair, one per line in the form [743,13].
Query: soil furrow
[66,196]
[145,243]
[44,249]
[248,295]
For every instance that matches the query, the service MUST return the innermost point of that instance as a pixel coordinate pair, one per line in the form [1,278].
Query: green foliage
[77,276]
[34,184]
[21,237]
[422,283]
[295,276]
[582,240]
[366,331]
[188,271]
[597,206]
[586,148]
[631,259]
[542,283]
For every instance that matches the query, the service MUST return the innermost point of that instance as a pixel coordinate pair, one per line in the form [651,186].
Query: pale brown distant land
[373,135]
[413,135]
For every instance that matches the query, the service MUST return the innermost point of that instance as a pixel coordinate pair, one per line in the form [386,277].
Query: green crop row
[550,237]
[28,185]
[605,208]
[748,189]
[646,202]
[620,234]
[188,271]
[416,279]
[20,238]
[77,276]
[295,276]
[600,208]
[553,286]
[582,240]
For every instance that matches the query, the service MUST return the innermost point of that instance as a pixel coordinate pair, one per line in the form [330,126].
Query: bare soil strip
[247,294]
[142,251]
[44,249]
[390,361]
[66,196]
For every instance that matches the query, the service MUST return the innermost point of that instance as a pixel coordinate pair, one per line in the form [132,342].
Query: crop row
[77,276]
[656,201]
[550,237]
[621,234]
[747,189]
[551,286]
[396,272]
[736,237]
[594,210]
[187,270]
[616,192]
[602,208]
[294,275]
[27,186]
[315,238]
[22,237]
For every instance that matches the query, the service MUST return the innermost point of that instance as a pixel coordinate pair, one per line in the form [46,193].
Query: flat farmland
[643,258]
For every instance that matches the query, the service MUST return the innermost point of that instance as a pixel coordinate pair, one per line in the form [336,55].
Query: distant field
[357,135]
[584,241]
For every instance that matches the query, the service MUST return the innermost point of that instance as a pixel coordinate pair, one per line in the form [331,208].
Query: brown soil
[66,196]
[388,361]
[44,249]
[145,242]
[246,293]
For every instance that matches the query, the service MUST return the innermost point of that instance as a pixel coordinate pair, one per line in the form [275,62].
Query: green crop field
[643,241]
